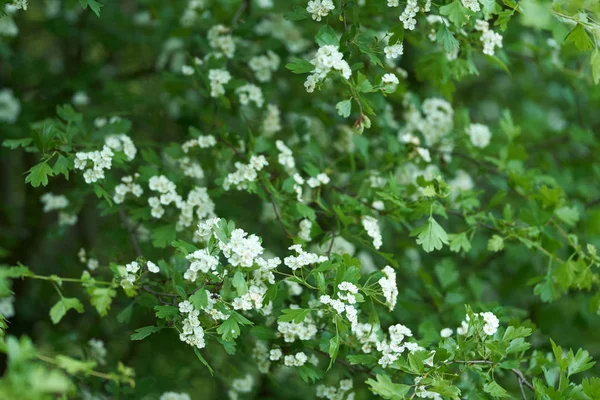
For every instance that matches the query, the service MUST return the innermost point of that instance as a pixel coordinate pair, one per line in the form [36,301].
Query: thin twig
[331,244]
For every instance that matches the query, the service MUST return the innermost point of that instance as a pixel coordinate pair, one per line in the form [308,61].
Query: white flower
[371,225]
[248,93]
[220,39]
[10,107]
[218,78]
[326,59]
[393,51]
[80,99]
[491,323]
[480,135]
[271,121]
[175,396]
[275,354]
[388,286]
[472,5]
[409,13]
[187,70]
[491,40]
[152,267]
[7,308]
[263,66]
[320,8]
[305,227]
[446,332]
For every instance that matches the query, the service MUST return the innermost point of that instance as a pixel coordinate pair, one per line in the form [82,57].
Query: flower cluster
[296,360]
[408,15]
[97,350]
[129,274]
[100,160]
[54,202]
[10,106]
[175,396]
[122,143]
[490,327]
[320,180]
[271,121]
[90,262]
[218,78]
[479,134]
[320,8]
[333,393]
[191,168]
[7,307]
[302,259]
[346,294]
[252,299]
[190,15]
[286,157]
[220,39]
[389,287]
[371,225]
[248,93]
[305,227]
[489,38]
[245,173]
[191,331]
[328,58]
[241,385]
[241,249]
[472,5]
[263,66]
[305,330]
[127,185]
[396,345]
[201,261]
[203,141]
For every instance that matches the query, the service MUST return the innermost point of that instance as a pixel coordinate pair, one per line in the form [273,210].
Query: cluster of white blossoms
[127,185]
[80,98]
[489,38]
[10,106]
[371,225]
[191,168]
[422,392]
[218,78]
[320,8]
[333,393]
[327,58]
[167,189]
[490,327]
[100,160]
[260,354]
[320,180]
[271,121]
[305,228]
[393,3]
[394,51]
[346,293]
[7,307]
[296,360]
[122,143]
[245,173]
[389,287]
[241,249]
[97,350]
[302,259]
[390,82]
[305,330]
[286,157]
[201,261]
[367,336]
[251,300]
[479,134]
[446,332]
[191,331]
[190,15]
[461,182]
[285,31]
[435,123]
[408,15]
[175,396]
[250,92]
[203,141]
[472,5]
[220,39]
[129,274]
[241,385]
[54,202]
[396,345]
[90,262]
[264,65]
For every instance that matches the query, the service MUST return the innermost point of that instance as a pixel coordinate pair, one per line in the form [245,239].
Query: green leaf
[580,38]
[430,235]
[459,241]
[199,299]
[397,34]
[445,37]
[166,312]
[163,235]
[239,283]
[385,388]
[296,314]
[298,14]
[203,361]
[73,366]
[579,362]
[58,311]
[15,143]
[343,108]
[327,36]
[39,174]
[67,113]
[513,333]
[229,329]
[495,244]
[456,13]
[142,333]
[101,299]
[309,373]
[300,66]
[595,63]
[495,390]
[93,4]
[61,166]
[183,246]
[568,215]
[334,347]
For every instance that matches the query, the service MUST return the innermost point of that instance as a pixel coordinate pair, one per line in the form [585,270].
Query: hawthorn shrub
[339,199]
